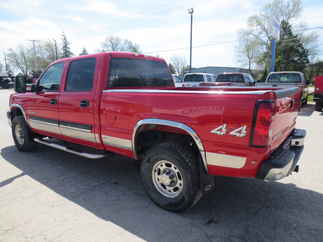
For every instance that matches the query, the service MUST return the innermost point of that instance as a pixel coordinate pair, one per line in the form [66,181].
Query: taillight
[261,123]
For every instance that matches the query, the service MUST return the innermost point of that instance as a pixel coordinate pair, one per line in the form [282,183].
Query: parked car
[5,81]
[236,79]
[318,93]
[194,79]
[288,79]
[127,103]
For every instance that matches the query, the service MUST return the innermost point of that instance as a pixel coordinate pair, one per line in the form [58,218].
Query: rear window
[126,72]
[230,78]
[194,78]
[285,78]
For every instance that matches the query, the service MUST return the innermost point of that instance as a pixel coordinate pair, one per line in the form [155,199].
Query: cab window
[80,75]
[50,80]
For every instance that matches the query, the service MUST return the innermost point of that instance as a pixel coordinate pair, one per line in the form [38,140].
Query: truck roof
[199,73]
[117,54]
[282,72]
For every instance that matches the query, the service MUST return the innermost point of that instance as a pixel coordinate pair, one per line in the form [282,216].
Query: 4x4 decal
[222,130]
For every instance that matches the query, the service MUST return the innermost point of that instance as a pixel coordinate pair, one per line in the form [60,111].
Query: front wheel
[170,176]
[22,135]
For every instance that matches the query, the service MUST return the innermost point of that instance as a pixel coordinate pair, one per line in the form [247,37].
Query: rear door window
[80,75]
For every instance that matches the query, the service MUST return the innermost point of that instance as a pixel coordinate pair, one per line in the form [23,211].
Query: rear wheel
[22,135]
[170,176]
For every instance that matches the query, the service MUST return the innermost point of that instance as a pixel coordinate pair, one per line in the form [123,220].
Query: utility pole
[56,52]
[191,11]
[34,50]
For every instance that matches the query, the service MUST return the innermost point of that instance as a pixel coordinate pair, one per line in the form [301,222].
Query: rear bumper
[284,160]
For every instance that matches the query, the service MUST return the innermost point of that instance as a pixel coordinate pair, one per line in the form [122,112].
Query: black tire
[318,107]
[186,162]
[26,144]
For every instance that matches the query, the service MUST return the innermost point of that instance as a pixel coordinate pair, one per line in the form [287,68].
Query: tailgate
[287,105]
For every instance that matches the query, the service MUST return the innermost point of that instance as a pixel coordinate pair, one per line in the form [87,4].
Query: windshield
[194,78]
[229,78]
[285,78]
[126,72]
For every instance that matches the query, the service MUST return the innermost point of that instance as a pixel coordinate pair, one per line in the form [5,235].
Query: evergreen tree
[84,52]
[66,49]
[291,53]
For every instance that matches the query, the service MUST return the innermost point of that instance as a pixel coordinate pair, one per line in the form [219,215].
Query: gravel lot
[50,195]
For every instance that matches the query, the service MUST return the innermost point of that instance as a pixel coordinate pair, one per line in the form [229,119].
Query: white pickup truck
[288,79]
[194,79]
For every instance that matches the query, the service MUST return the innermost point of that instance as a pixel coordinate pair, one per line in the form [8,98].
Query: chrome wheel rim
[19,134]
[167,178]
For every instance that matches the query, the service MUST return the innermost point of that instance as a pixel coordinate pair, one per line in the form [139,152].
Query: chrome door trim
[169,123]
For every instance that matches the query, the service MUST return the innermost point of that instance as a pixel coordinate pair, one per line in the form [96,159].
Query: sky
[160,28]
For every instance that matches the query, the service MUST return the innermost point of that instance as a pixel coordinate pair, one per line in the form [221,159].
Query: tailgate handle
[84,103]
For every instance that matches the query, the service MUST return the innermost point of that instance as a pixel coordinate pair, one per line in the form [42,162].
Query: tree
[66,49]
[291,53]
[171,68]
[179,63]
[249,50]
[20,59]
[117,44]
[265,26]
[84,52]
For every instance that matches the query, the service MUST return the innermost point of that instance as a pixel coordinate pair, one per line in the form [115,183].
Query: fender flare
[173,124]
[12,106]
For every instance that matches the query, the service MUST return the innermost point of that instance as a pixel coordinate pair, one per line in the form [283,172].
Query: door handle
[53,101]
[84,103]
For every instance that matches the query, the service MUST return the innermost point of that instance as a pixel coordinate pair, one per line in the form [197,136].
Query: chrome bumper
[284,160]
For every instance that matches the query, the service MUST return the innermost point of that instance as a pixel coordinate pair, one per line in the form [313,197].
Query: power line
[185,48]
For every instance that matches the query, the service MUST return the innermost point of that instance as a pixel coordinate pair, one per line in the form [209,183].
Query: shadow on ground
[307,110]
[238,210]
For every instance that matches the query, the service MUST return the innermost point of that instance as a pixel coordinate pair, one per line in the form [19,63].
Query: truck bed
[204,110]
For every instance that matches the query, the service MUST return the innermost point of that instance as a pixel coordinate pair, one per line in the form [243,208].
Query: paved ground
[54,196]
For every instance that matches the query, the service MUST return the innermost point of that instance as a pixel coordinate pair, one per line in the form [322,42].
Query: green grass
[310,98]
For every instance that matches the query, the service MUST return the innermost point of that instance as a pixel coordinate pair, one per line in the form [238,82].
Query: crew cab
[195,79]
[127,103]
[318,93]
[289,79]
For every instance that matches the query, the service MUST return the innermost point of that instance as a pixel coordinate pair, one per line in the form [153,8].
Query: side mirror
[33,88]
[20,85]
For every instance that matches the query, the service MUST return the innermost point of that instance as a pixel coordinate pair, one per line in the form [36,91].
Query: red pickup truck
[318,93]
[127,103]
